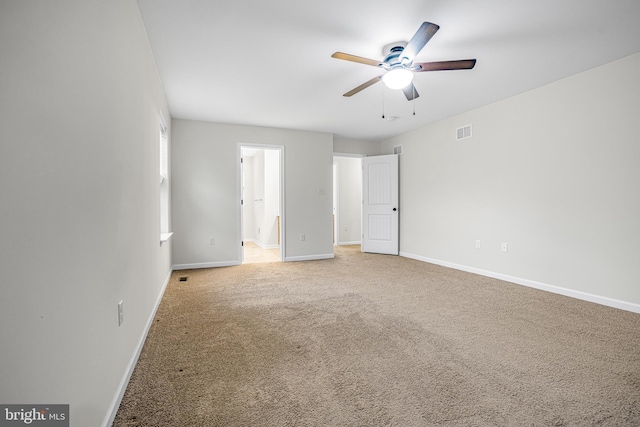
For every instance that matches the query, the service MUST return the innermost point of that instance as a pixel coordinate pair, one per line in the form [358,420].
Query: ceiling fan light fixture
[397,78]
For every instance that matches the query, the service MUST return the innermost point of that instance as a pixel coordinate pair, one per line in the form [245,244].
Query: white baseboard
[358,242]
[205,265]
[610,302]
[262,245]
[124,382]
[309,257]
[177,267]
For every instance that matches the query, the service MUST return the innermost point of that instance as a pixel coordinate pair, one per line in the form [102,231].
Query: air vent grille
[464,132]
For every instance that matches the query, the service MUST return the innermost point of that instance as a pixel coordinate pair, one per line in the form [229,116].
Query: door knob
[394,209]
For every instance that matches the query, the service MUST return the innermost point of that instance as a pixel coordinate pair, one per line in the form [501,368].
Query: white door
[380,204]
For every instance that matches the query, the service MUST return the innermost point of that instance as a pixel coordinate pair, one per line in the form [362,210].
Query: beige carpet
[375,340]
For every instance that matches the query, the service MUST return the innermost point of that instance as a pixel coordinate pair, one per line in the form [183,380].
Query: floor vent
[183,279]
[463,132]
[397,149]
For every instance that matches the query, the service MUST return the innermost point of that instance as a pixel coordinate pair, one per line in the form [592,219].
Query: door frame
[280,149]
[336,202]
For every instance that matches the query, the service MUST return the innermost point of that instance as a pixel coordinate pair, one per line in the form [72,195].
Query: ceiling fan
[399,66]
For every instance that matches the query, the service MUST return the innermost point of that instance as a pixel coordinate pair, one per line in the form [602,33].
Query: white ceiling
[268,62]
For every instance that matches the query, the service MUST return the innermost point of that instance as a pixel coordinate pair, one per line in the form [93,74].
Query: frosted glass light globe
[397,78]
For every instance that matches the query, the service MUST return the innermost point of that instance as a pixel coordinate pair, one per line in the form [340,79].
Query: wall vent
[464,132]
[397,149]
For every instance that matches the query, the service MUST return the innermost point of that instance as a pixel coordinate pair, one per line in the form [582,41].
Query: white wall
[257,203]
[349,199]
[261,198]
[271,198]
[248,217]
[553,172]
[343,145]
[80,207]
[205,192]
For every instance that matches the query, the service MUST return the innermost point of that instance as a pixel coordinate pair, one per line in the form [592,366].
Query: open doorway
[261,204]
[347,199]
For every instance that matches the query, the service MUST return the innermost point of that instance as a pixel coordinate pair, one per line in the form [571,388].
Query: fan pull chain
[414,100]
[383,103]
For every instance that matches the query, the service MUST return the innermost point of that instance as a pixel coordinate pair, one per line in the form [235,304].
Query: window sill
[165,237]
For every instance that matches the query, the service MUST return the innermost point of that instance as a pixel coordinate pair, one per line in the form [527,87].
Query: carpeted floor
[375,340]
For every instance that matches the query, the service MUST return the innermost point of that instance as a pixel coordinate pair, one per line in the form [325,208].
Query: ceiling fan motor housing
[392,53]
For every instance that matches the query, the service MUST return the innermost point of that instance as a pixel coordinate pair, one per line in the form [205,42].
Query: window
[165,234]
[164,152]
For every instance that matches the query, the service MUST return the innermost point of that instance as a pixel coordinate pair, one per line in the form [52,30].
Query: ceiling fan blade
[359,59]
[410,92]
[417,42]
[363,86]
[462,64]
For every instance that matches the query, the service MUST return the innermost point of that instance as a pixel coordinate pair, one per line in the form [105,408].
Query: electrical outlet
[478,244]
[212,240]
[302,237]
[346,228]
[505,247]
[120,313]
